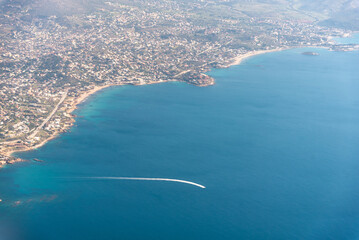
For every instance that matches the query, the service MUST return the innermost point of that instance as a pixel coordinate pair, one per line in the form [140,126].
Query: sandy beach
[76,101]
[238,60]
[85,95]
[73,106]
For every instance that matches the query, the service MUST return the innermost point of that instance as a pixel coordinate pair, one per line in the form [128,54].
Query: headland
[69,104]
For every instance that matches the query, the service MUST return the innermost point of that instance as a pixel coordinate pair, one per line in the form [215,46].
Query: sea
[353,39]
[275,142]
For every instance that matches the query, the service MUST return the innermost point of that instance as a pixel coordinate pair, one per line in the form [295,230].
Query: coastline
[84,95]
[239,59]
[73,106]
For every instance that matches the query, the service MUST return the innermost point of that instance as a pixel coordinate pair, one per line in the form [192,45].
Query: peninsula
[52,59]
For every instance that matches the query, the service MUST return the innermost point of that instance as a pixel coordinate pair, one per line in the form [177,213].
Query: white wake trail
[147,179]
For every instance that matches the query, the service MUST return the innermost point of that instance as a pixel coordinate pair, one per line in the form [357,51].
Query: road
[31,136]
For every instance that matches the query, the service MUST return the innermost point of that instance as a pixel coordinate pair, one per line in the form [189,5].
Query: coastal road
[181,73]
[31,136]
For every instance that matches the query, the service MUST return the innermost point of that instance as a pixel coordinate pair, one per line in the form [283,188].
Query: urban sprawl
[48,64]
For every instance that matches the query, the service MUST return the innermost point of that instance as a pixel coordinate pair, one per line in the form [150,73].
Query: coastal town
[50,64]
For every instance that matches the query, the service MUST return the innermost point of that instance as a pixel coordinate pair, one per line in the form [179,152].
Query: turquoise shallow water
[275,142]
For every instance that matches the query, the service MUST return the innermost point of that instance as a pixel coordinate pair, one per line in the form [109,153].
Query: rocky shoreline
[197,79]
[16,146]
[5,160]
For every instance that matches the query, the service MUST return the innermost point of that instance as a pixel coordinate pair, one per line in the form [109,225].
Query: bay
[275,142]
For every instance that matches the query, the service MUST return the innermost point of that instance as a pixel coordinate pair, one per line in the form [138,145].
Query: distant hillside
[348,19]
[333,13]
[327,6]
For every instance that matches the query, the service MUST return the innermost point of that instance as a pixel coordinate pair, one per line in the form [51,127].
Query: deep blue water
[275,141]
